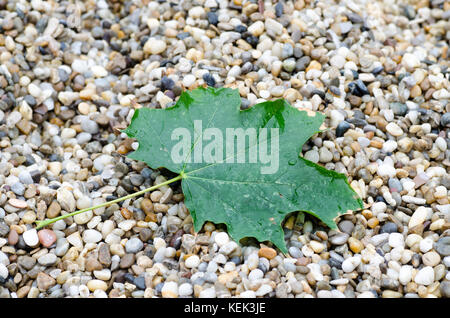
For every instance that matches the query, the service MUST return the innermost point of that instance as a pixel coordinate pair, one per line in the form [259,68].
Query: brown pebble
[20,204]
[147,206]
[373,222]
[127,214]
[355,245]
[13,237]
[92,264]
[53,210]
[23,291]
[44,281]
[151,217]
[267,252]
[127,260]
[104,256]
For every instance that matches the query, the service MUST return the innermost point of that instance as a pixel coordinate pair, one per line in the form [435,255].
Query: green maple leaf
[251,198]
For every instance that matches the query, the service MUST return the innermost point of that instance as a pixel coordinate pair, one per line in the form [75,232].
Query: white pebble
[263,290]
[185,289]
[92,236]
[396,240]
[228,248]
[3,271]
[394,129]
[207,293]
[192,261]
[255,274]
[31,238]
[419,216]
[170,290]
[221,238]
[426,245]
[425,276]
[405,274]
[127,225]
[351,263]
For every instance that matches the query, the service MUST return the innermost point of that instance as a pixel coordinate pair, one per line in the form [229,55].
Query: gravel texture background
[72,73]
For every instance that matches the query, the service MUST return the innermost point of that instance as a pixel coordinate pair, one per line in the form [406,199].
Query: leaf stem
[41,224]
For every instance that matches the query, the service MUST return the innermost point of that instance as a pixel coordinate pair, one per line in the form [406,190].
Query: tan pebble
[83,108]
[62,277]
[431,258]
[163,208]
[415,91]
[437,225]
[155,196]
[391,294]
[147,206]
[267,252]
[44,281]
[376,144]
[127,214]
[29,217]
[53,210]
[227,277]
[23,291]
[373,222]
[20,204]
[314,65]
[355,245]
[317,247]
[97,284]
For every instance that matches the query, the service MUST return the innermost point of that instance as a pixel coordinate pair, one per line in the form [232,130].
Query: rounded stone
[134,245]
[31,238]
[192,261]
[425,276]
[47,237]
[97,284]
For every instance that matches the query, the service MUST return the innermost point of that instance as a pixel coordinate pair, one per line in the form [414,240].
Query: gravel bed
[72,73]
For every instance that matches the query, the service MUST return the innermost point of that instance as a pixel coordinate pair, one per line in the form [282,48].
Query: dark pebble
[236,259]
[389,227]
[399,109]
[209,79]
[342,127]
[29,160]
[355,18]
[129,277]
[158,288]
[140,282]
[346,226]
[212,18]
[166,83]
[302,63]
[252,40]
[361,88]
[35,175]
[318,92]
[377,70]
[335,90]
[445,120]
[241,28]
[409,12]
[279,9]
[31,101]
